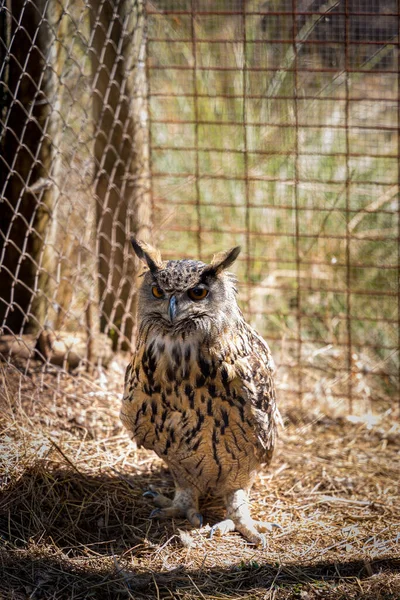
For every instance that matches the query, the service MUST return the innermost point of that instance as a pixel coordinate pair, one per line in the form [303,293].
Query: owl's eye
[157,292]
[197,293]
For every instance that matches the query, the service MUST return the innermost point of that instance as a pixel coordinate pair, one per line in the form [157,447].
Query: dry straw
[74,523]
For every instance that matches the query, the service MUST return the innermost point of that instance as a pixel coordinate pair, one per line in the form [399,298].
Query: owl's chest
[190,406]
[205,437]
[193,416]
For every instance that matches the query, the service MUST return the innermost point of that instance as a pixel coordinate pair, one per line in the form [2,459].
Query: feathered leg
[239,519]
[184,504]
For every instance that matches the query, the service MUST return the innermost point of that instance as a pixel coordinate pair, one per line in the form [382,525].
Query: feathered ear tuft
[222,261]
[151,256]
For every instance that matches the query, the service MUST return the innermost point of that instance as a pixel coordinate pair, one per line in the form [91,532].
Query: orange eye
[157,292]
[197,293]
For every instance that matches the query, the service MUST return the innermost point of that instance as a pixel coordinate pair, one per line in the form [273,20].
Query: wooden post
[28,168]
[121,184]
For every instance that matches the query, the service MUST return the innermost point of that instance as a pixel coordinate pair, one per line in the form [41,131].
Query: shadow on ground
[70,535]
[104,513]
[39,577]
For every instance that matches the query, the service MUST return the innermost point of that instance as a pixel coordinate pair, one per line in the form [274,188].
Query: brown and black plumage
[199,390]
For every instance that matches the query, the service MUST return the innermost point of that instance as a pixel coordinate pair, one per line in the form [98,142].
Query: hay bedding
[74,524]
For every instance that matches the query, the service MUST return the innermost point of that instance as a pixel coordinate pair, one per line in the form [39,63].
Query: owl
[199,390]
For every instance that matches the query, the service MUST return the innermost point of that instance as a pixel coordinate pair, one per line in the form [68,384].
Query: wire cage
[202,125]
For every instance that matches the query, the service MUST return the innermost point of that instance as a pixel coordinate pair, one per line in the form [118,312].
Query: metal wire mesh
[273,125]
[74,156]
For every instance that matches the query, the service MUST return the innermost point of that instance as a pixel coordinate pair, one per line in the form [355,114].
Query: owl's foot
[194,517]
[184,505]
[222,527]
[241,521]
[158,499]
[251,530]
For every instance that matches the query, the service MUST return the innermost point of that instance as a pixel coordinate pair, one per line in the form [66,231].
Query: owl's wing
[261,394]
[131,399]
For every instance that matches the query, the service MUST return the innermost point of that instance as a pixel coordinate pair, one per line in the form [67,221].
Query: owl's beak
[172,308]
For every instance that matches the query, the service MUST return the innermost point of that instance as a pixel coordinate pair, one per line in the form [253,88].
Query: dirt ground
[74,522]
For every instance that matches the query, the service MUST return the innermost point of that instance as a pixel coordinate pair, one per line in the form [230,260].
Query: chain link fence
[74,174]
[202,125]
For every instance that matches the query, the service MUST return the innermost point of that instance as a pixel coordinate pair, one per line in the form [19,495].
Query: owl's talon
[159,500]
[150,494]
[264,542]
[263,526]
[194,518]
[222,527]
[254,531]
[155,512]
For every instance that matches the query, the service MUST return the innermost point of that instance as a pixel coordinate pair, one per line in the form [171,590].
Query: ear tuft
[151,256]
[223,260]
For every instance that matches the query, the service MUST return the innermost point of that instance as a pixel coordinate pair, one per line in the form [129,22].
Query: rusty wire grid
[273,125]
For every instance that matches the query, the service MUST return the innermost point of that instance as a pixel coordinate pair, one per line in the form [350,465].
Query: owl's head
[187,296]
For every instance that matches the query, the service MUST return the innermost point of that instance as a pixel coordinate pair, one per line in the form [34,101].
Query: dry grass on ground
[74,523]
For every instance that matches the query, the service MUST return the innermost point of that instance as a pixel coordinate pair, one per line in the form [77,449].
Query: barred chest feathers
[189,406]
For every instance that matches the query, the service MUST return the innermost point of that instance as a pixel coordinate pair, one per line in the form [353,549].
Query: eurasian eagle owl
[199,390]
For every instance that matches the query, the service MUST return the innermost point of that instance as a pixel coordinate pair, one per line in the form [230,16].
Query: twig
[197,588]
[383,199]
[124,478]
[71,464]
[290,55]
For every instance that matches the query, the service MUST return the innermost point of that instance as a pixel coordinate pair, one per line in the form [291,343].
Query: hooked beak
[172,308]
